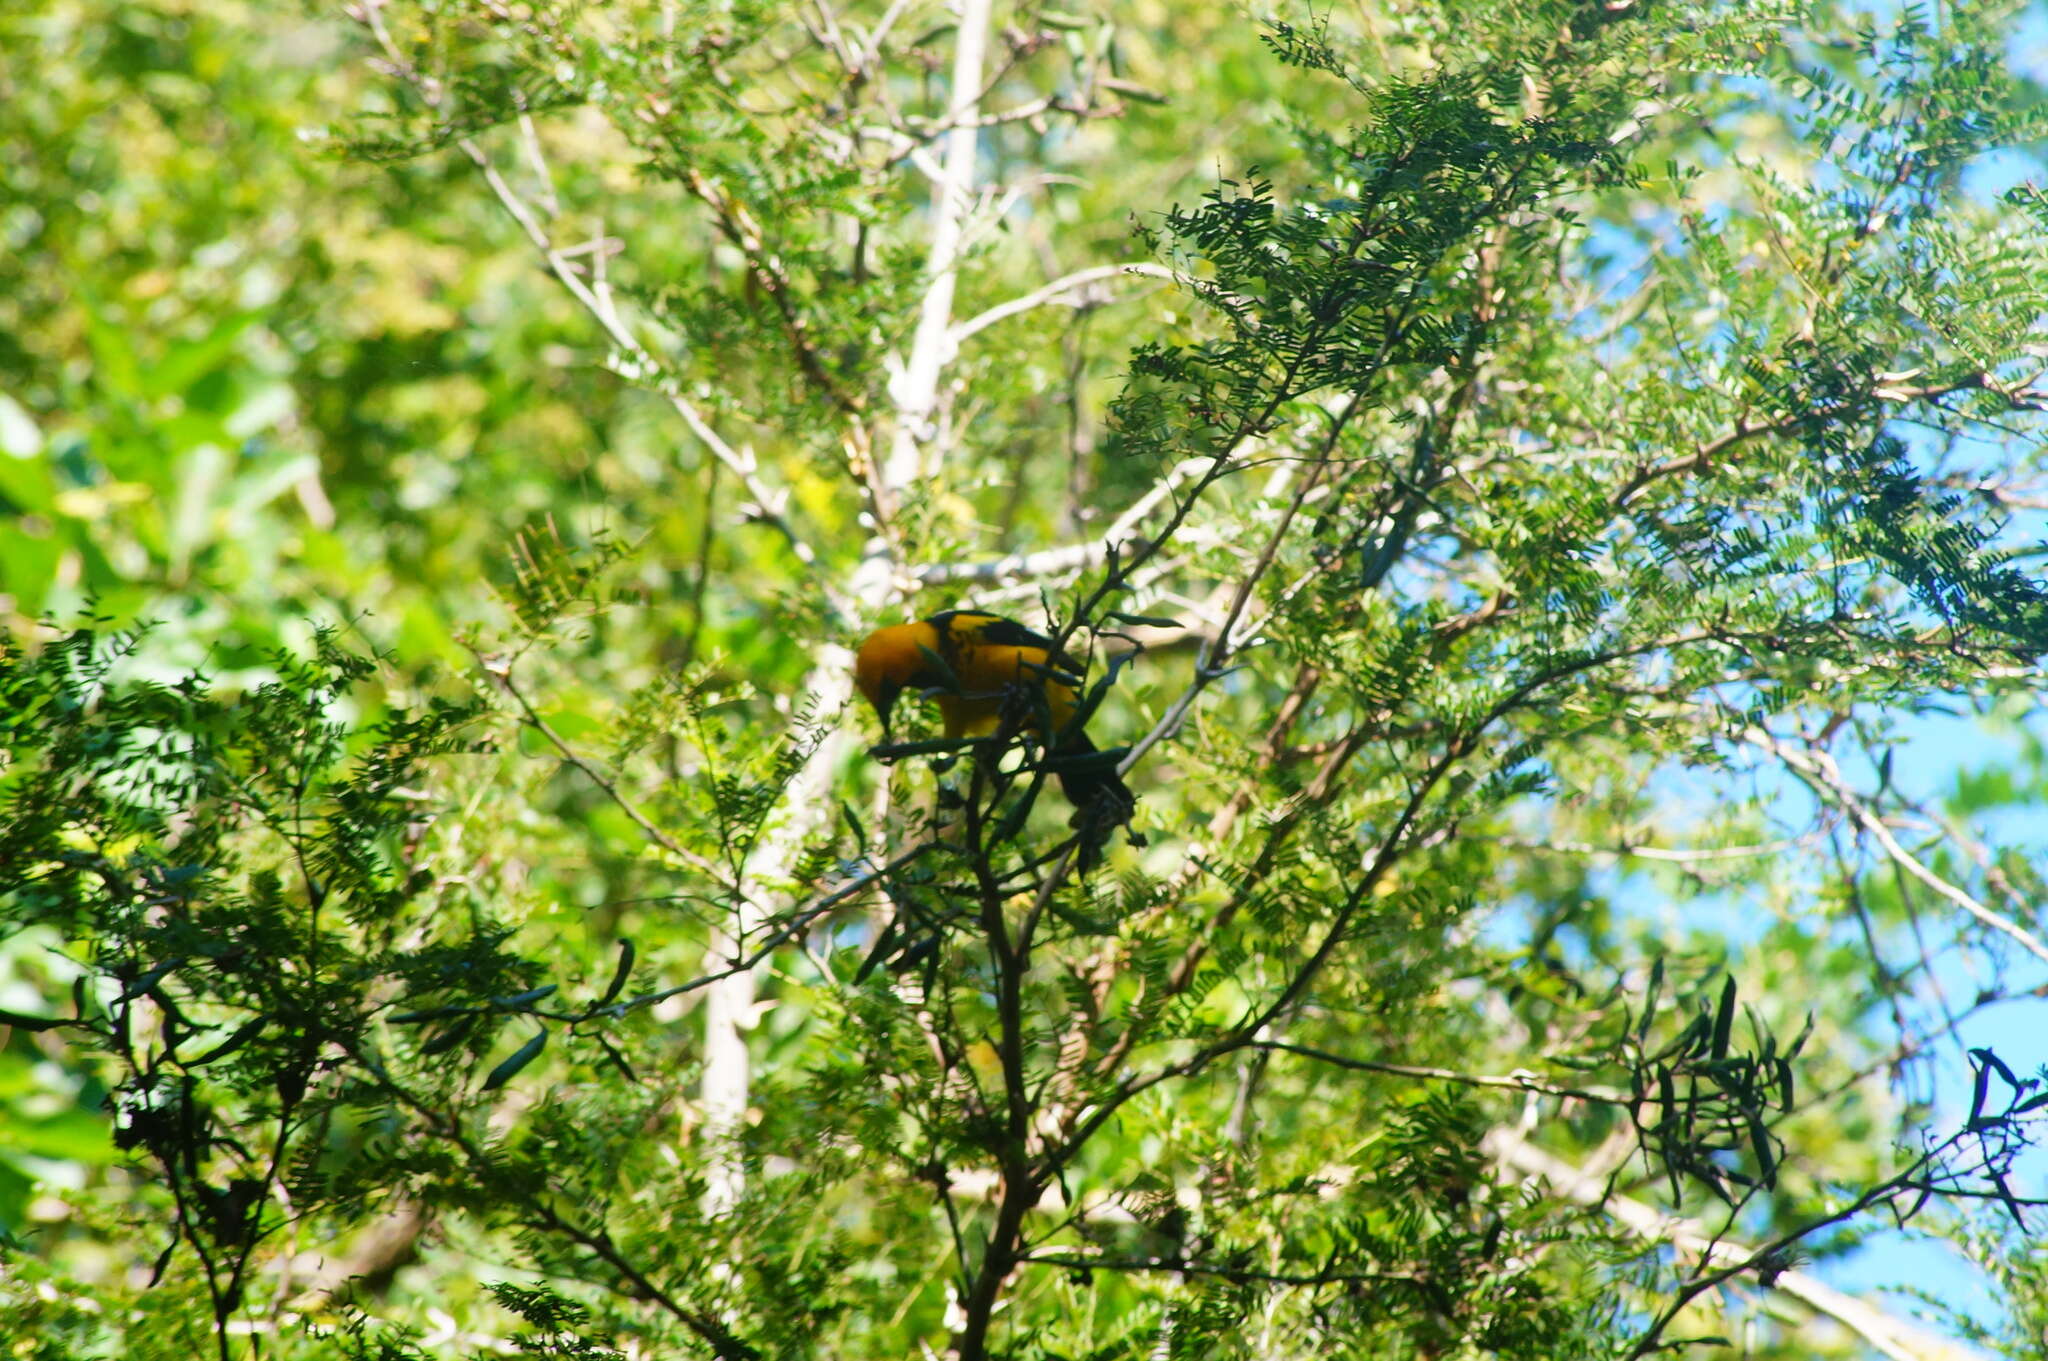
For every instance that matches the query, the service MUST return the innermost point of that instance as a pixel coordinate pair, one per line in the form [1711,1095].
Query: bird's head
[889,660]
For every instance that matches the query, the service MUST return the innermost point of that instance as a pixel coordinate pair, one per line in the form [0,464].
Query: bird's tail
[1102,801]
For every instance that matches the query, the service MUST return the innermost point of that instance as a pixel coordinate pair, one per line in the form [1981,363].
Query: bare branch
[1058,291]
[1897,1338]
[805,803]
[1821,773]
[1518,1081]
[915,390]
[1241,1275]
[501,672]
[1212,664]
[1886,388]
[871,50]
[787,929]
[1676,855]
[769,503]
[1073,557]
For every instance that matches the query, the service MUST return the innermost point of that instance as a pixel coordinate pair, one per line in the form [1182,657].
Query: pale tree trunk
[915,390]
[807,804]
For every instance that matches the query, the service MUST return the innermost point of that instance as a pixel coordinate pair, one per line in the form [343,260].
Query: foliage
[1518,478]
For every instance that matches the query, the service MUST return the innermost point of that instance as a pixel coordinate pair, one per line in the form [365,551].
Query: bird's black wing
[1004,632]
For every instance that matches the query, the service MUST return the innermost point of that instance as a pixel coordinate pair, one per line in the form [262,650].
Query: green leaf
[72,1136]
[184,364]
[510,1068]
[1724,1019]
[620,975]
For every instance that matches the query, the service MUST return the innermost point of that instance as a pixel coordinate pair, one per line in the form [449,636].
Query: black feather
[1102,801]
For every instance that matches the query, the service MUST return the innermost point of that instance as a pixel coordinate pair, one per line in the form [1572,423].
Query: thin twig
[1518,1081]
[501,672]
[1897,1338]
[1818,770]
[769,503]
[1241,1275]
[1885,388]
[1071,557]
[1056,291]
[791,926]
[1677,855]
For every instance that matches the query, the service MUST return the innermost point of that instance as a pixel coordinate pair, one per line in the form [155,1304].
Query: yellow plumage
[980,664]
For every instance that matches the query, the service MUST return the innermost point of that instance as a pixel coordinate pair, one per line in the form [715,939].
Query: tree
[1552,408]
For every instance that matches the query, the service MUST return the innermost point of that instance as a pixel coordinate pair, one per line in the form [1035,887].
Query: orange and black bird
[980,666]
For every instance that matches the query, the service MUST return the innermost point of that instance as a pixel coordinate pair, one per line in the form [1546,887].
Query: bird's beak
[885,703]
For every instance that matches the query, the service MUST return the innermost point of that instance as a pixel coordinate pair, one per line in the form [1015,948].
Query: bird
[981,666]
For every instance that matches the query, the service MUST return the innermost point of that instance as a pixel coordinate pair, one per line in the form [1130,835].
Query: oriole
[980,664]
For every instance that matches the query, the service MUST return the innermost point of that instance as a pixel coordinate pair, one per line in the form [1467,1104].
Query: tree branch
[1517,1081]
[1819,771]
[1897,1338]
[915,389]
[769,503]
[1072,557]
[1056,291]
